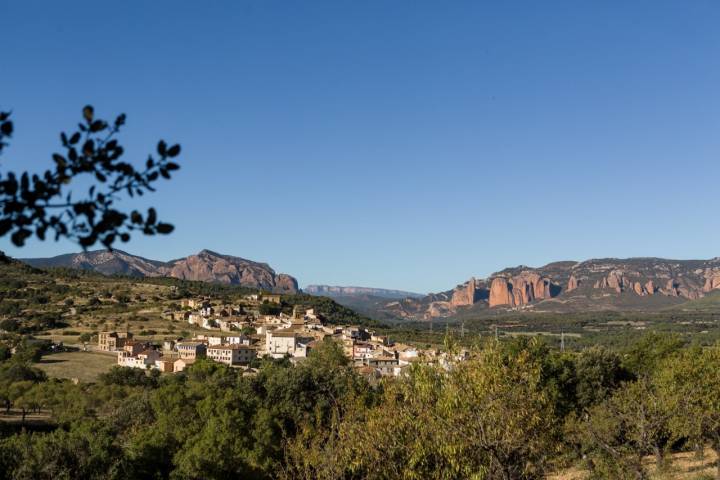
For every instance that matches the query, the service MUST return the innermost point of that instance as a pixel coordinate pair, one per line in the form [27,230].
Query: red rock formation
[615,281]
[572,284]
[712,280]
[500,293]
[519,290]
[638,288]
[209,266]
[650,287]
[464,294]
[671,288]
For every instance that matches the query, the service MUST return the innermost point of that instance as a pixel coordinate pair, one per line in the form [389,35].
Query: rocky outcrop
[464,294]
[208,266]
[633,284]
[712,279]
[500,293]
[519,290]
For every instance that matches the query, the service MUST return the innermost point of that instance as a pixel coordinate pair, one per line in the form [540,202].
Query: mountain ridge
[206,265]
[352,290]
[622,284]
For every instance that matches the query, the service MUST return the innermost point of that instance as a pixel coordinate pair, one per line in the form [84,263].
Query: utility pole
[562,341]
[496,333]
[462,329]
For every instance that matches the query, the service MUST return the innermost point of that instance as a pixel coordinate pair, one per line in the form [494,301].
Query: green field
[85,366]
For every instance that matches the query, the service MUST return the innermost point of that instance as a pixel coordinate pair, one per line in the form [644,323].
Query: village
[239,335]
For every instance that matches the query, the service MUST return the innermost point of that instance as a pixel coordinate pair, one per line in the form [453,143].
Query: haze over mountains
[336,291]
[634,284]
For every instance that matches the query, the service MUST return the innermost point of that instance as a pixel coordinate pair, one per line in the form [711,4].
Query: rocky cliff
[205,266]
[598,284]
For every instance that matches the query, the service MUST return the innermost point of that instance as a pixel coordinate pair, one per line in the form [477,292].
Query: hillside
[634,284]
[61,301]
[206,266]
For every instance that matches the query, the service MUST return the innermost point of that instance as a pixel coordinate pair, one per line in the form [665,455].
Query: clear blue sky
[400,144]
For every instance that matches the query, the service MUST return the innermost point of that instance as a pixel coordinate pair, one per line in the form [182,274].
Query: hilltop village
[239,335]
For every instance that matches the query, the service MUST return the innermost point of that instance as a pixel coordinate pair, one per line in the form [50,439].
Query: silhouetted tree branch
[35,204]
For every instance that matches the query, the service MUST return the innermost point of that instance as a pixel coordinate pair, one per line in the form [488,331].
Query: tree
[643,358]
[693,381]
[37,204]
[10,325]
[488,417]
[599,372]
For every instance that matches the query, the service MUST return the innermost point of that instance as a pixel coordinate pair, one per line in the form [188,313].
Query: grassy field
[683,466]
[85,366]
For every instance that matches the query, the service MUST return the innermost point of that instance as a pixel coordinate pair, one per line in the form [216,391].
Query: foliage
[37,204]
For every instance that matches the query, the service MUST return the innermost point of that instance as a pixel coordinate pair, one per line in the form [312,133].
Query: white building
[232,354]
[145,359]
[281,342]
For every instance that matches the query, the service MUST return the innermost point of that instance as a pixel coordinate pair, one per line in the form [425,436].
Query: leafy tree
[10,325]
[643,358]
[693,381]
[126,376]
[38,204]
[599,372]
[488,417]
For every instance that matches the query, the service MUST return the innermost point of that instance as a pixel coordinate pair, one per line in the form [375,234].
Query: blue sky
[399,144]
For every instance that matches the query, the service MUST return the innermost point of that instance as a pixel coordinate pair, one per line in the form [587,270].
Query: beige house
[271,297]
[191,350]
[182,363]
[133,347]
[112,341]
[165,366]
[235,354]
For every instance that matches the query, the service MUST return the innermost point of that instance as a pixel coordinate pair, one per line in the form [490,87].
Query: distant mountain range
[633,284]
[335,291]
[206,266]
[368,301]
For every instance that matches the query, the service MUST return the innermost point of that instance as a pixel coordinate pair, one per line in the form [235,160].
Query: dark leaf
[97,126]
[6,128]
[88,113]
[88,148]
[174,151]
[164,228]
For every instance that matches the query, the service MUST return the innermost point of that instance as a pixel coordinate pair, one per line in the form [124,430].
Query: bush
[10,325]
